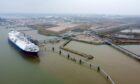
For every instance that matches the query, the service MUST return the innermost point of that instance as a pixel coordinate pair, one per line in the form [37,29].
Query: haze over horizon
[111,7]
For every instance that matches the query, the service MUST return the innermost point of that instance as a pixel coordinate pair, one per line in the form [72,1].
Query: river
[47,68]
[122,68]
[19,69]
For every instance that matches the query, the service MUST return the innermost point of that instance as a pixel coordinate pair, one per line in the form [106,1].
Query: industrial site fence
[84,62]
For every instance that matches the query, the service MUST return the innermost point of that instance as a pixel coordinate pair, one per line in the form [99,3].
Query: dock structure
[82,62]
[78,53]
[75,52]
[123,50]
[66,43]
[92,66]
[89,42]
[126,41]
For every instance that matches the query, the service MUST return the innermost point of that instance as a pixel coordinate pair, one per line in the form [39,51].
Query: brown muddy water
[47,68]
[122,68]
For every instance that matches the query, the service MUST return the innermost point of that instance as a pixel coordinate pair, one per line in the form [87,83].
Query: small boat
[20,41]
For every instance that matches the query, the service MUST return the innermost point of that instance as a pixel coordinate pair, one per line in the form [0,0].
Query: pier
[75,52]
[123,50]
[92,66]
[78,53]
[89,42]
[83,62]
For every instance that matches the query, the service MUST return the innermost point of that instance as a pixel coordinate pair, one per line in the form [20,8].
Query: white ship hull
[22,44]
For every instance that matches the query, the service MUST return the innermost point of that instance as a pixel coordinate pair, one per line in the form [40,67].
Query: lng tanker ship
[20,41]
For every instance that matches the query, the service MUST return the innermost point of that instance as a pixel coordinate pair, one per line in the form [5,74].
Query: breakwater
[83,62]
[89,42]
[123,50]
[66,53]
[75,52]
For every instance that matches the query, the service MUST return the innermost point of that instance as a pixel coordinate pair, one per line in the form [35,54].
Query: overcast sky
[121,7]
